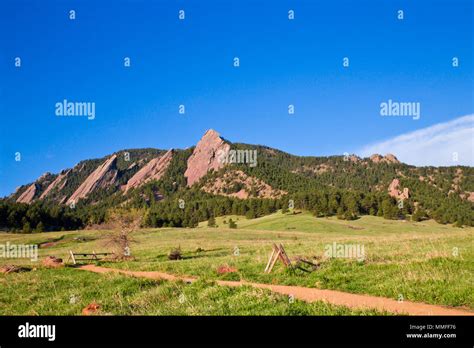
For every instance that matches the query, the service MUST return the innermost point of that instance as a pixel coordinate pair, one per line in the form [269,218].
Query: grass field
[421,262]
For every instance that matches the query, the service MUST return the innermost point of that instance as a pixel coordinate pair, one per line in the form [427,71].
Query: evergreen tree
[26,227]
[40,227]
[211,222]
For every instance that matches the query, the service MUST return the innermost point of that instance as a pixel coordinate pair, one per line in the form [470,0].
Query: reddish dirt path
[310,294]
[140,274]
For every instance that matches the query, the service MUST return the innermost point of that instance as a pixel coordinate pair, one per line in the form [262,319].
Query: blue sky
[190,62]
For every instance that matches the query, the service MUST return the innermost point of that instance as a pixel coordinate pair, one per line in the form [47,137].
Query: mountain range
[218,167]
[126,170]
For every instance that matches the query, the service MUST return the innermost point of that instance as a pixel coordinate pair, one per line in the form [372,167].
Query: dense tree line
[188,208]
[349,205]
[37,217]
[195,206]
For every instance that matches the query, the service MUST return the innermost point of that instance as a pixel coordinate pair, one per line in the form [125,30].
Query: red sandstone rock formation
[59,182]
[394,192]
[388,158]
[28,195]
[153,170]
[205,156]
[376,158]
[103,176]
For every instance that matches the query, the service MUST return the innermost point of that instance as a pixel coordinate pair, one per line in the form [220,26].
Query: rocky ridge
[153,170]
[103,176]
[205,156]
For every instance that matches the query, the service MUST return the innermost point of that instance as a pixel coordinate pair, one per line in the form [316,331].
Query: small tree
[211,222]
[340,213]
[193,222]
[124,222]
[27,227]
[232,224]
[40,227]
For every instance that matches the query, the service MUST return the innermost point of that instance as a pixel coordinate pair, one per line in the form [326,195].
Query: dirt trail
[140,274]
[310,294]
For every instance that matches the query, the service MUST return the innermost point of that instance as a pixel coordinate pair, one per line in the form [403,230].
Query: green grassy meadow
[415,261]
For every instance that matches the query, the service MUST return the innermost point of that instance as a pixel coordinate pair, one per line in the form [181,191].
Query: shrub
[175,254]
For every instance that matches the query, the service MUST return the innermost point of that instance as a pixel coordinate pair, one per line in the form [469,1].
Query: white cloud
[431,146]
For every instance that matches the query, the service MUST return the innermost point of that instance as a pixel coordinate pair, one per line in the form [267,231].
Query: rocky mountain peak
[204,156]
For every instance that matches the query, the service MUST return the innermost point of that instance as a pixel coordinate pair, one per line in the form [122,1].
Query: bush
[175,254]
[419,215]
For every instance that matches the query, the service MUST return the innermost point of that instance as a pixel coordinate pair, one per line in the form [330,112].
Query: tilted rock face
[103,176]
[205,156]
[153,170]
[394,192]
[28,195]
[59,182]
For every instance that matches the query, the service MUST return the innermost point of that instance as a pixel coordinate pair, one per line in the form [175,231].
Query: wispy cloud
[436,145]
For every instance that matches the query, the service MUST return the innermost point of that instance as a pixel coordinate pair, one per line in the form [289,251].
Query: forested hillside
[159,183]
